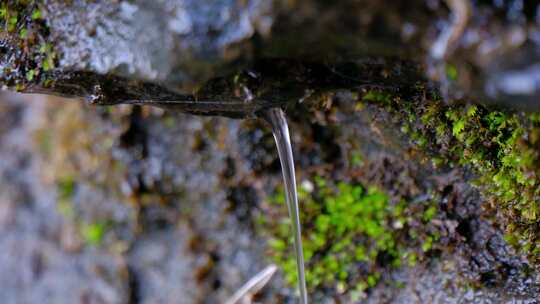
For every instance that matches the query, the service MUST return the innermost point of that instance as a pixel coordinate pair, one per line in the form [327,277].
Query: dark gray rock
[126,51]
[174,42]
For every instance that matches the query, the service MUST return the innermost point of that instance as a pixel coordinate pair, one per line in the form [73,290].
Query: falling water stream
[276,118]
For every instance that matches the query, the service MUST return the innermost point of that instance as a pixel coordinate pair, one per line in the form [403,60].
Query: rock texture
[168,50]
[132,204]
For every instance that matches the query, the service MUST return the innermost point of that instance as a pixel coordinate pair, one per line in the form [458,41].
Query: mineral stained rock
[113,52]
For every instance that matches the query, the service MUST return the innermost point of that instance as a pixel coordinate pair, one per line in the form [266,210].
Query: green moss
[429,213]
[93,233]
[352,235]
[66,189]
[77,156]
[502,148]
[377,96]
[26,36]
[356,158]
[451,72]
[36,14]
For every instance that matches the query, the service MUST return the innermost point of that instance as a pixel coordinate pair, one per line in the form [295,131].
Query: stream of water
[276,118]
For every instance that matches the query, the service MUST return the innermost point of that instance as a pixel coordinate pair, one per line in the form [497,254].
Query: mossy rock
[500,147]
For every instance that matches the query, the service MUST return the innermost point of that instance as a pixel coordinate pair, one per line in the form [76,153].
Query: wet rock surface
[103,51]
[165,208]
[37,260]
[133,204]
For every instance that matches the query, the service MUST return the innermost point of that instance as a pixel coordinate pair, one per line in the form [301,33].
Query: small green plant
[451,72]
[382,97]
[93,233]
[352,233]
[66,190]
[356,158]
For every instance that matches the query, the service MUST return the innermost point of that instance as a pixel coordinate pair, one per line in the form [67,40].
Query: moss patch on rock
[352,234]
[501,148]
[78,154]
[24,37]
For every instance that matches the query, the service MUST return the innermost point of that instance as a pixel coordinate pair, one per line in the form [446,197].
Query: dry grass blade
[253,286]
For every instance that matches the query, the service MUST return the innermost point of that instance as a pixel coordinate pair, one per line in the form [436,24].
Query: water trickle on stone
[276,118]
